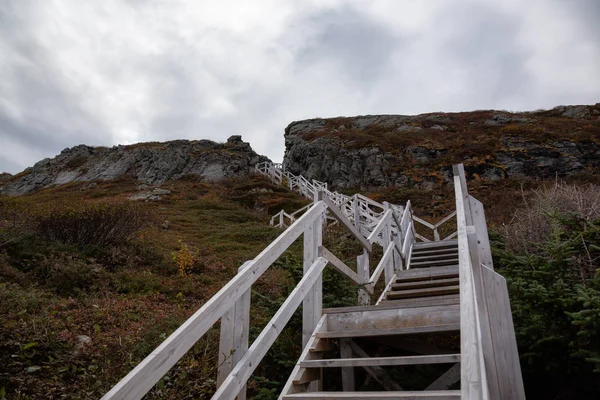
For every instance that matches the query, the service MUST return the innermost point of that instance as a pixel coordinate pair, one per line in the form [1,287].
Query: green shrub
[97,224]
[551,265]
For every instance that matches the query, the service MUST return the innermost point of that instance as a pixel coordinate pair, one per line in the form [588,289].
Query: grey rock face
[314,153]
[150,163]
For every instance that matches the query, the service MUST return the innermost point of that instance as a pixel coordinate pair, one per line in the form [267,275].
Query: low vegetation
[550,255]
[91,282]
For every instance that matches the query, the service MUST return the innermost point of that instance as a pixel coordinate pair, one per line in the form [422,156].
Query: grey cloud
[192,79]
[484,42]
[360,47]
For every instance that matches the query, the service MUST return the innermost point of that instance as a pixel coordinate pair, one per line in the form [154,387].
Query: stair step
[447,250]
[382,361]
[432,301]
[425,284]
[404,330]
[424,274]
[433,257]
[435,291]
[409,395]
[450,261]
[435,245]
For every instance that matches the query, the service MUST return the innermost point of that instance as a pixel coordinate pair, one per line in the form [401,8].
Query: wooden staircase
[419,302]
[440,329]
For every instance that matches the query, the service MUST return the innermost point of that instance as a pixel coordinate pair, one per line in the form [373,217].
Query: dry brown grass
[533,223]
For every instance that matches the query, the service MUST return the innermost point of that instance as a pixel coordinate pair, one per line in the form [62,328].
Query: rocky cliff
[150,163]
[399,150]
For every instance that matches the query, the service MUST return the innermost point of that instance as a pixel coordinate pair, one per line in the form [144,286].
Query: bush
[13,219]
[550,258]
[534,224]
[98,224]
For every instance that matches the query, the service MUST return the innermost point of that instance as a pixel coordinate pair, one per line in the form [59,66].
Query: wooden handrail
[148,372]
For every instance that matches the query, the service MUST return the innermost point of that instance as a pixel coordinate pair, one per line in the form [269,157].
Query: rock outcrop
[150,163]
[398,150]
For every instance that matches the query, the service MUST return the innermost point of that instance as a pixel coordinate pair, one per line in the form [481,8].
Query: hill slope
[406,151]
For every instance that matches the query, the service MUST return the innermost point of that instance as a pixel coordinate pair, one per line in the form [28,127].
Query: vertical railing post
[233,343]
[313,302]
[387,239]
[362,270]
[356,212]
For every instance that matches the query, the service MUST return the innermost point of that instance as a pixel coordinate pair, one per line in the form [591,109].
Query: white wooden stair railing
[489,363]
[365,212]
[231,304]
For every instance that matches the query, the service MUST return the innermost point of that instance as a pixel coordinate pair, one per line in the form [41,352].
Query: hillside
[106,251]
[77,316]
[376,151]
[148,163]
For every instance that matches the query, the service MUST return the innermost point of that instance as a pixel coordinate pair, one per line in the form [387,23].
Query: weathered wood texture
[145,375]
[504,343]
[233,344]
[242,371]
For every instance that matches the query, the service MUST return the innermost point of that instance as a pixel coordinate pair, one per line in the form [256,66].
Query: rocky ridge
[150,163]
[399,150]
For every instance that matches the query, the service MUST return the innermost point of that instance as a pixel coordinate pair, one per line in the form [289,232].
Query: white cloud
[124,71]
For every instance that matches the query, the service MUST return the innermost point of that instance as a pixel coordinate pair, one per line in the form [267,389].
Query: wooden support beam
[339,215]
[383,263]
[340,266]
[362,266]
[312,304]
[233,343]
[242,371]
[378,373]
[448,379]
[348,378]
[381,226]
[299,374]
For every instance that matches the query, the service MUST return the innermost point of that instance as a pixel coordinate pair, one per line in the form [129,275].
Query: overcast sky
[109,72]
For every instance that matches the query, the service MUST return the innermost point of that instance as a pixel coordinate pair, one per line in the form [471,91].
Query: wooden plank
[504,343]
[381,361]
[448,379]
[242,371]
[423,222]
[446,219]
[242,328]
[483,241]
[451,261]
[312,303]
[404,294]
[297,372]
[339,215]
[425,273]
[443,251]
[378,373]
[423,301]
[233,334]
[409,395]
[425,284]
[416,257]
[362,264]
[340,266]
[460,189]
[434,245]
[145,375]
[348,378]
[381,225]
[385,259]
[406,330]
[376,318]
